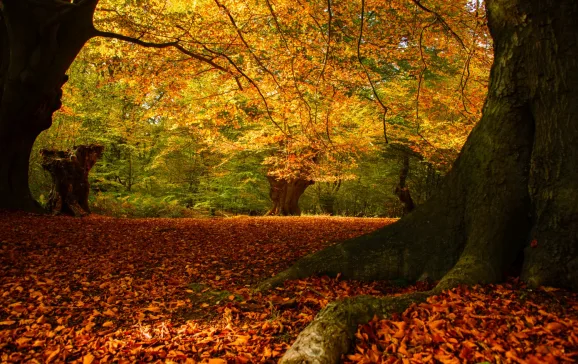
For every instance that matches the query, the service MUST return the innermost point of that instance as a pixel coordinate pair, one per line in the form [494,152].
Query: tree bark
[513,183]
[39,42]
[69,171]
[14,159]
[285,195]
[401,190]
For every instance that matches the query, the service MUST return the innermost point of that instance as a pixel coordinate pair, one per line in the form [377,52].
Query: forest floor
[98,290]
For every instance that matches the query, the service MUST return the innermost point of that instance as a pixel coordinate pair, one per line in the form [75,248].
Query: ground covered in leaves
[97,290]
[483,324]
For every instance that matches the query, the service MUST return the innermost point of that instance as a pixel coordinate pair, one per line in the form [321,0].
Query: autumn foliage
[181,92]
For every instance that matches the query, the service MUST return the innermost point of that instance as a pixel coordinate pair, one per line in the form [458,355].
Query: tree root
[331,333]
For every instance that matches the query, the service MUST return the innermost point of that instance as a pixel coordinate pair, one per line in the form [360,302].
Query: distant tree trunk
[69,171]
[433,181]
[327,197]
[130,177]
[401,190]
[285,195]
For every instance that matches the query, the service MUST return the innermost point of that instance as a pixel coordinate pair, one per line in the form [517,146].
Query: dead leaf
[88,359]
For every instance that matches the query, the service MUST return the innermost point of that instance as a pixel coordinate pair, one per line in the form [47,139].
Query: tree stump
[69,170]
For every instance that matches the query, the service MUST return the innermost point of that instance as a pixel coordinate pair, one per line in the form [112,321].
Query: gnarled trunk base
[285,195]
[69,171]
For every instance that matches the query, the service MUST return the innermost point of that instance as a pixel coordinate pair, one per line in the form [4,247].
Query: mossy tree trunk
[69,170]
[285,195]
[38,42]
[514,181]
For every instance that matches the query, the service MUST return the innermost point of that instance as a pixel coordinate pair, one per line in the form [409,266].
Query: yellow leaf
[9,322]
[88,359]
[53,355]
[109,312]
[241,340]
[108,324]
[267,352]
[140,316]
[23,340]
[153,309]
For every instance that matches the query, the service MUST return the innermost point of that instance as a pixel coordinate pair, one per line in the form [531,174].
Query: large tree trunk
[285,195]
[39,41]
[14,159]
[514,182]
[69,171]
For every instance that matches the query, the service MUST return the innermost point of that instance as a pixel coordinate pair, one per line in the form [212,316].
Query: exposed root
[403,250]
[331,333]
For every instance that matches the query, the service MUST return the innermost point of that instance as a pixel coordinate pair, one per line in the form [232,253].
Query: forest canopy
[206,106]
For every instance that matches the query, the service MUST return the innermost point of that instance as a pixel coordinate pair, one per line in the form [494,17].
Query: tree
[320,63]
[511,194]
[69,170]
[39,41]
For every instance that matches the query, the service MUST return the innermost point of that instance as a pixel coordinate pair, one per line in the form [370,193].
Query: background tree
[331,62]
[69,171]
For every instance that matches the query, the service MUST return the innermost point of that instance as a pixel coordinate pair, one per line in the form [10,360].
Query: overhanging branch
[174,44]
[444,24]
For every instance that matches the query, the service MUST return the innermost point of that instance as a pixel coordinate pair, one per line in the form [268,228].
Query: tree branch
[174,44]
[240,34]
[359,40]
[442,22]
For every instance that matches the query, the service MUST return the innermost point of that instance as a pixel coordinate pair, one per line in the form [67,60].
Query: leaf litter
[99,290]
[506,323]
